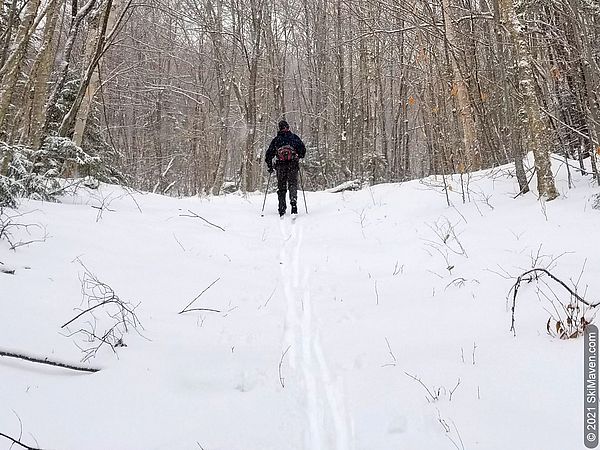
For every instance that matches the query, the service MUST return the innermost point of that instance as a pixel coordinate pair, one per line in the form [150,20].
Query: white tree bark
[9,74]
[87,102]
[533,123]
[39,80]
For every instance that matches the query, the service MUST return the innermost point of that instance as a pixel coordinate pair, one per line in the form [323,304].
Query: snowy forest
[433,286]
[182,97]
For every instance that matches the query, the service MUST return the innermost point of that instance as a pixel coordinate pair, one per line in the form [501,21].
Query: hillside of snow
[378,321]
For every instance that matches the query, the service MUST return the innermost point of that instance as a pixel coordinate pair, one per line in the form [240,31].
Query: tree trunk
[248,170]
[87,101]
[39,80]
[507,129]
[10,23]
[461,93]
[591,81]
[68,123]
[215,21]
[9,74]
[77,17]
[533,124]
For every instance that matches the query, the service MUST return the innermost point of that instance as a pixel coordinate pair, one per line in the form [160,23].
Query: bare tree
[184,96]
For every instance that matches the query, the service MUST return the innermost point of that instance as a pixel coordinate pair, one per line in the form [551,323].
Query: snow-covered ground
[326,323]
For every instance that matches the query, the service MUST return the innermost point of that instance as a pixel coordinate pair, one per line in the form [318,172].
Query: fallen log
[48,361]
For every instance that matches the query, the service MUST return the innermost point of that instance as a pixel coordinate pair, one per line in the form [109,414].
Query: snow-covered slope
[326,324]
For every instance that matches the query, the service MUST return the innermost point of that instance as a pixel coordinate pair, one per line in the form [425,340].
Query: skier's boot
[282,212]
[294,209]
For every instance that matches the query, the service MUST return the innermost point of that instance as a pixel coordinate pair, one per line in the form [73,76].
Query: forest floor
[380,320]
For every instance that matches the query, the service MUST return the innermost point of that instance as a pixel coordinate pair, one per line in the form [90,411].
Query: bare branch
[197,297]
[193,214]
[532,274]
[281,378]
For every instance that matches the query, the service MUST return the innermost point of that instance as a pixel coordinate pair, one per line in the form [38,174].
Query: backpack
[286,153]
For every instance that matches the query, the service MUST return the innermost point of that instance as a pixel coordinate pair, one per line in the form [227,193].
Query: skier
[287,148]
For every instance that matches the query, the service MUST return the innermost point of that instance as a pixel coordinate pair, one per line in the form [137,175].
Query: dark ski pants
[287,178]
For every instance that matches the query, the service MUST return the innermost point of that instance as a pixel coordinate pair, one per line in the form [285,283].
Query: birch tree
[533,123]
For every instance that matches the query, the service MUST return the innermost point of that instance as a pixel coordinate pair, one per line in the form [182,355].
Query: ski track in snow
[327,426]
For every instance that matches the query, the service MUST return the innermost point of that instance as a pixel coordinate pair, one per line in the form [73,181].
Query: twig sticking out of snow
[109,301]
[17,442]
[193,214]
[8,225]
[184,310]
[431,397]
[118,316]
[525,189]
[281,377]
[394,360]
[531,275]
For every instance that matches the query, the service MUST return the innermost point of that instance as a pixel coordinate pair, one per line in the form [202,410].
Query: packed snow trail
[323,399]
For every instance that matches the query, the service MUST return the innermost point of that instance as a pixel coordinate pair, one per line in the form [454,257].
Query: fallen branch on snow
[352,185]
[6,269]
[48,362]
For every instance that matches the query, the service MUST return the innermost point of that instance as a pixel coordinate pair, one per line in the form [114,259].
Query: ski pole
[262,214]
[302,187]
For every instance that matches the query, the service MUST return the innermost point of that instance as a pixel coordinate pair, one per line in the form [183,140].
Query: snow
[361,292]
